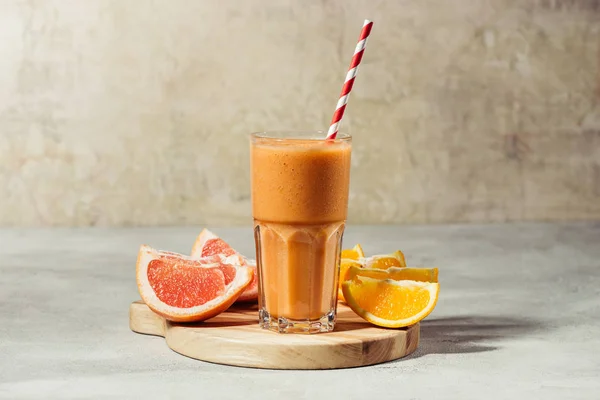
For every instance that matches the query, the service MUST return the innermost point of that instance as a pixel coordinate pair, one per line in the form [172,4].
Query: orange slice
[396,259]
[209,244]
[183,289]
[390,303]
[397,274]
[354,253]
[345,264]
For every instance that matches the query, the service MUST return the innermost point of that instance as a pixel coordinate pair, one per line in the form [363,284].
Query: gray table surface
[519,315]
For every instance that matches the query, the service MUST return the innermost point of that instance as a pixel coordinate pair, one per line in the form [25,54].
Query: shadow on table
[458,335]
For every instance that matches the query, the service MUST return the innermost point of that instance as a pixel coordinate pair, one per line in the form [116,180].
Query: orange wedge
[385,261]
[345,264]
[397,274]
[354,253]
[389,303]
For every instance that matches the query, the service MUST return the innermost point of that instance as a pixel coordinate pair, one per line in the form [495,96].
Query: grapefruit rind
[201,312]
[250,294]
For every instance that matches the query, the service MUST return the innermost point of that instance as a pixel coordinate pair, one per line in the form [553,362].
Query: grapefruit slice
[183,289]
[208,244]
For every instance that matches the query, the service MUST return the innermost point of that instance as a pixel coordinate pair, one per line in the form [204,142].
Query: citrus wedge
[397,274]
[385,261]
[389,303]
[345,264]
[209,244]
[182,289]
[354,253]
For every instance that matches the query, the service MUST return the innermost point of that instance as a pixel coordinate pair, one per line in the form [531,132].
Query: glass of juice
[299,204]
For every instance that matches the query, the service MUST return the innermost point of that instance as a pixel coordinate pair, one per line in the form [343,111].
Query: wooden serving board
[234,338]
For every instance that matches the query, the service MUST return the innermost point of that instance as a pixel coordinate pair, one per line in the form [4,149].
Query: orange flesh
[385,263]
[350,254]
[379,298]
[397,274]
[185,283]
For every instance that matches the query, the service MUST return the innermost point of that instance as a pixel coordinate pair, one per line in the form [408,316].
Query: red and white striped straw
[354,63]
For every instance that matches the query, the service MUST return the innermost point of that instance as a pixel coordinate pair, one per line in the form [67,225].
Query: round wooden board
[234,338]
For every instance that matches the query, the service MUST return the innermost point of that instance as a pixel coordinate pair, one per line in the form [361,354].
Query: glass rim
[307,134]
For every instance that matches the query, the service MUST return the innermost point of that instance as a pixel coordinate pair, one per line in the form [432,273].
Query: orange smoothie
[299,204]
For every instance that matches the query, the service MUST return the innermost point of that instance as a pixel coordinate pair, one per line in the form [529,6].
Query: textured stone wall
[137,112]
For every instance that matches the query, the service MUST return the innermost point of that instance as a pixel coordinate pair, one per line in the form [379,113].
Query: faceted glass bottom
[284,325]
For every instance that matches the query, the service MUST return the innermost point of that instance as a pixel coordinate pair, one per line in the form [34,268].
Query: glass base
[284,325]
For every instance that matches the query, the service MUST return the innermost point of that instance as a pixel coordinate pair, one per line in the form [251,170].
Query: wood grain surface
[234,338]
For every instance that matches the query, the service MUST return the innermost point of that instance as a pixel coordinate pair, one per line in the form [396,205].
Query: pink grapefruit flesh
[208,244]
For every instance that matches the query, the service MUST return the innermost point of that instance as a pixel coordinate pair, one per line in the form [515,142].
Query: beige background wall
[137,112]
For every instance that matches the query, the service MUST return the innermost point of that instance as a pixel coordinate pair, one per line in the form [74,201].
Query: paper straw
[349,82]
